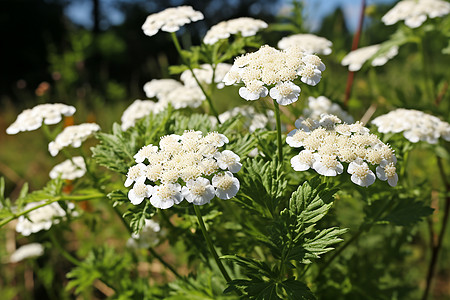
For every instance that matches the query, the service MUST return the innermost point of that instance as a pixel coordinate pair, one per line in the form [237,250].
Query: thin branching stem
[188,64]
[210,244]
[280,145]
[436,249]
[63,251]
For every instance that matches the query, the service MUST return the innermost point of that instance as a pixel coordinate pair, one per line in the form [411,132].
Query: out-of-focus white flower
[160,87]
[70,169]
[204,75]
[198,191]
[361,173]
[170,19]
[322,105]
[27,251]
[41,218]
[149,236]
[138,110]
[310,43]
[285,93]
[183,96]
[181,168]
[415,12]
[252,119]
[31,119]
[356,59]
[73,136]
[245,26]
[416,125]
[328,143]
[226,185]
[268,67]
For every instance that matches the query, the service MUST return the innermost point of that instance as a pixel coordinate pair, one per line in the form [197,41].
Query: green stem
[55,199]
[63,251]
[428,83]
[188,64]
[210,244]
[280,146]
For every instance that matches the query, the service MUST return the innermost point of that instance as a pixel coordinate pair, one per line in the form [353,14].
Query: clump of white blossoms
[73,136]
[204,75]
[416,12]
[27,251]
[356,59]
[269,67]
[252,119]
[32,119]
[328,143]
[323,105]
[138,110]
[170,19]
[245,26]
[149,236]
[69,169]
[310,43]
[41,218]
[174,92]
[415,125]
[188,167]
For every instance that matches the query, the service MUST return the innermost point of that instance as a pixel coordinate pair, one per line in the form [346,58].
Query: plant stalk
[280,145]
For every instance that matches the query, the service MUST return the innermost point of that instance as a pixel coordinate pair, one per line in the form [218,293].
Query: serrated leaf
[297,290]
[118,197]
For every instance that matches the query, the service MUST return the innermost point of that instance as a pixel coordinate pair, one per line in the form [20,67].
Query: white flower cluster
[174,92]
[41,218]
[323,105]
[416,125]
[205,75]
[148,237]
[73,136]
[181,168]
[310,43]
[69,169]
[245,26]
[27,251]
[415,12]
[356,59]
[253,119]
[328,143]
[271,67]
[138,110]
[31,119]
[170,19]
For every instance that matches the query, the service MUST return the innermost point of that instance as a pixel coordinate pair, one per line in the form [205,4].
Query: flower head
[170,19]
[70,169]
[310,43]
[245,26]
[149,236]
[73,136]
[181,167]
[415,125]
[415,12]
[32,119]
[328,143]
[356,59]
[269,67]
[138,110]
[322,105]
[27,251]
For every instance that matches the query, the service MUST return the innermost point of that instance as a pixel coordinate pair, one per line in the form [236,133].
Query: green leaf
[173,70]
[118,197]
[139,214]
[297,289]
[407,212]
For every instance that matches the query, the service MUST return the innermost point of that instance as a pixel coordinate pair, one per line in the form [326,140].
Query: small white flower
[302,161]
[327,165]
[226,185]
[216,139]
[139,192]
[253,91]
[310,75]
[135,173]
[145,152]
[245,26]
[285,93]
[73,136]
[361,174]
[149,236]
[138,110]
[315,61]
[198,191]
[386,171]
[308,42]
[170,19]
[166,195]
[228,160]
[27,251]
